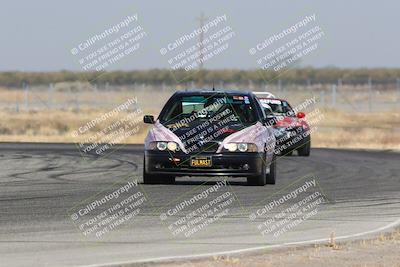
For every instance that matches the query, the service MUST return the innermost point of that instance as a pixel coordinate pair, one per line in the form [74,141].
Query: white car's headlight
[231,147]
[241,147]
[163,146]
[172,146]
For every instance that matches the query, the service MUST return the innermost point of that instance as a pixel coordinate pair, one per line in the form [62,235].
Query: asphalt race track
[41,183]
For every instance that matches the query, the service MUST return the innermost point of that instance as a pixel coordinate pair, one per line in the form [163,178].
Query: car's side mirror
[148,119]
[300,115]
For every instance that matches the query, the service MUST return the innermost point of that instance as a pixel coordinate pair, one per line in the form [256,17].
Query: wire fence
[367,97]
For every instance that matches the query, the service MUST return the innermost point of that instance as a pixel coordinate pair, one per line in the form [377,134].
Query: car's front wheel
[149,179]
[304,150]
[271,176]
[259,180]
[156,179]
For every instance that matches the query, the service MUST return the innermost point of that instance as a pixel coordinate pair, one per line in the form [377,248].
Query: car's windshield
[277,106]
[194,108]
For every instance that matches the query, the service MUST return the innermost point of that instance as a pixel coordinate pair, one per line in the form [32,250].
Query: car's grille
[209,147]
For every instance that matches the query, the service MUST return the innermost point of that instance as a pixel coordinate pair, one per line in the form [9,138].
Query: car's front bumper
[291,140]
[223,164]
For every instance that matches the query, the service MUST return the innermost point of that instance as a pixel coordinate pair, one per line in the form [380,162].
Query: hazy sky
[39,35]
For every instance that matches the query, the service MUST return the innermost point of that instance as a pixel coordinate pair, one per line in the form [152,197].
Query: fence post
[334,95]
[369,94]
[16,104]
[78,106]
[26,87]
[322,98]
[251,85]
[50,96]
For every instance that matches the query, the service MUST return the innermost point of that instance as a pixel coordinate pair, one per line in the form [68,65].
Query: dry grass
[377,130]
[358,130]
[380,251]
[335,129]
[56,126]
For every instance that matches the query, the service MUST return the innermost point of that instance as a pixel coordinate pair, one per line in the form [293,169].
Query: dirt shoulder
[381,251]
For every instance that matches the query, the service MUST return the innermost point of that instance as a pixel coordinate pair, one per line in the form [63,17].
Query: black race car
[210,133]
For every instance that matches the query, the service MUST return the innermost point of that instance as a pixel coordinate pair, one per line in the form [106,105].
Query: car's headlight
[241,147]
[279,130]
[231,147]
[172,146]
[162,146]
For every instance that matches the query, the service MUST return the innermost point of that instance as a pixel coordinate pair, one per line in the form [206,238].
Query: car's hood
[256,133]
[211,129]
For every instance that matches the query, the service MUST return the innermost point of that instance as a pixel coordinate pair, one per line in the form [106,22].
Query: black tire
[163,179]
[153,179]
[259,180]
[167,179]
[149,179]
[289,153]
[271,176]
[304,150]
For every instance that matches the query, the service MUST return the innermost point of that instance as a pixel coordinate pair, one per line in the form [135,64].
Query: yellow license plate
[200,162]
